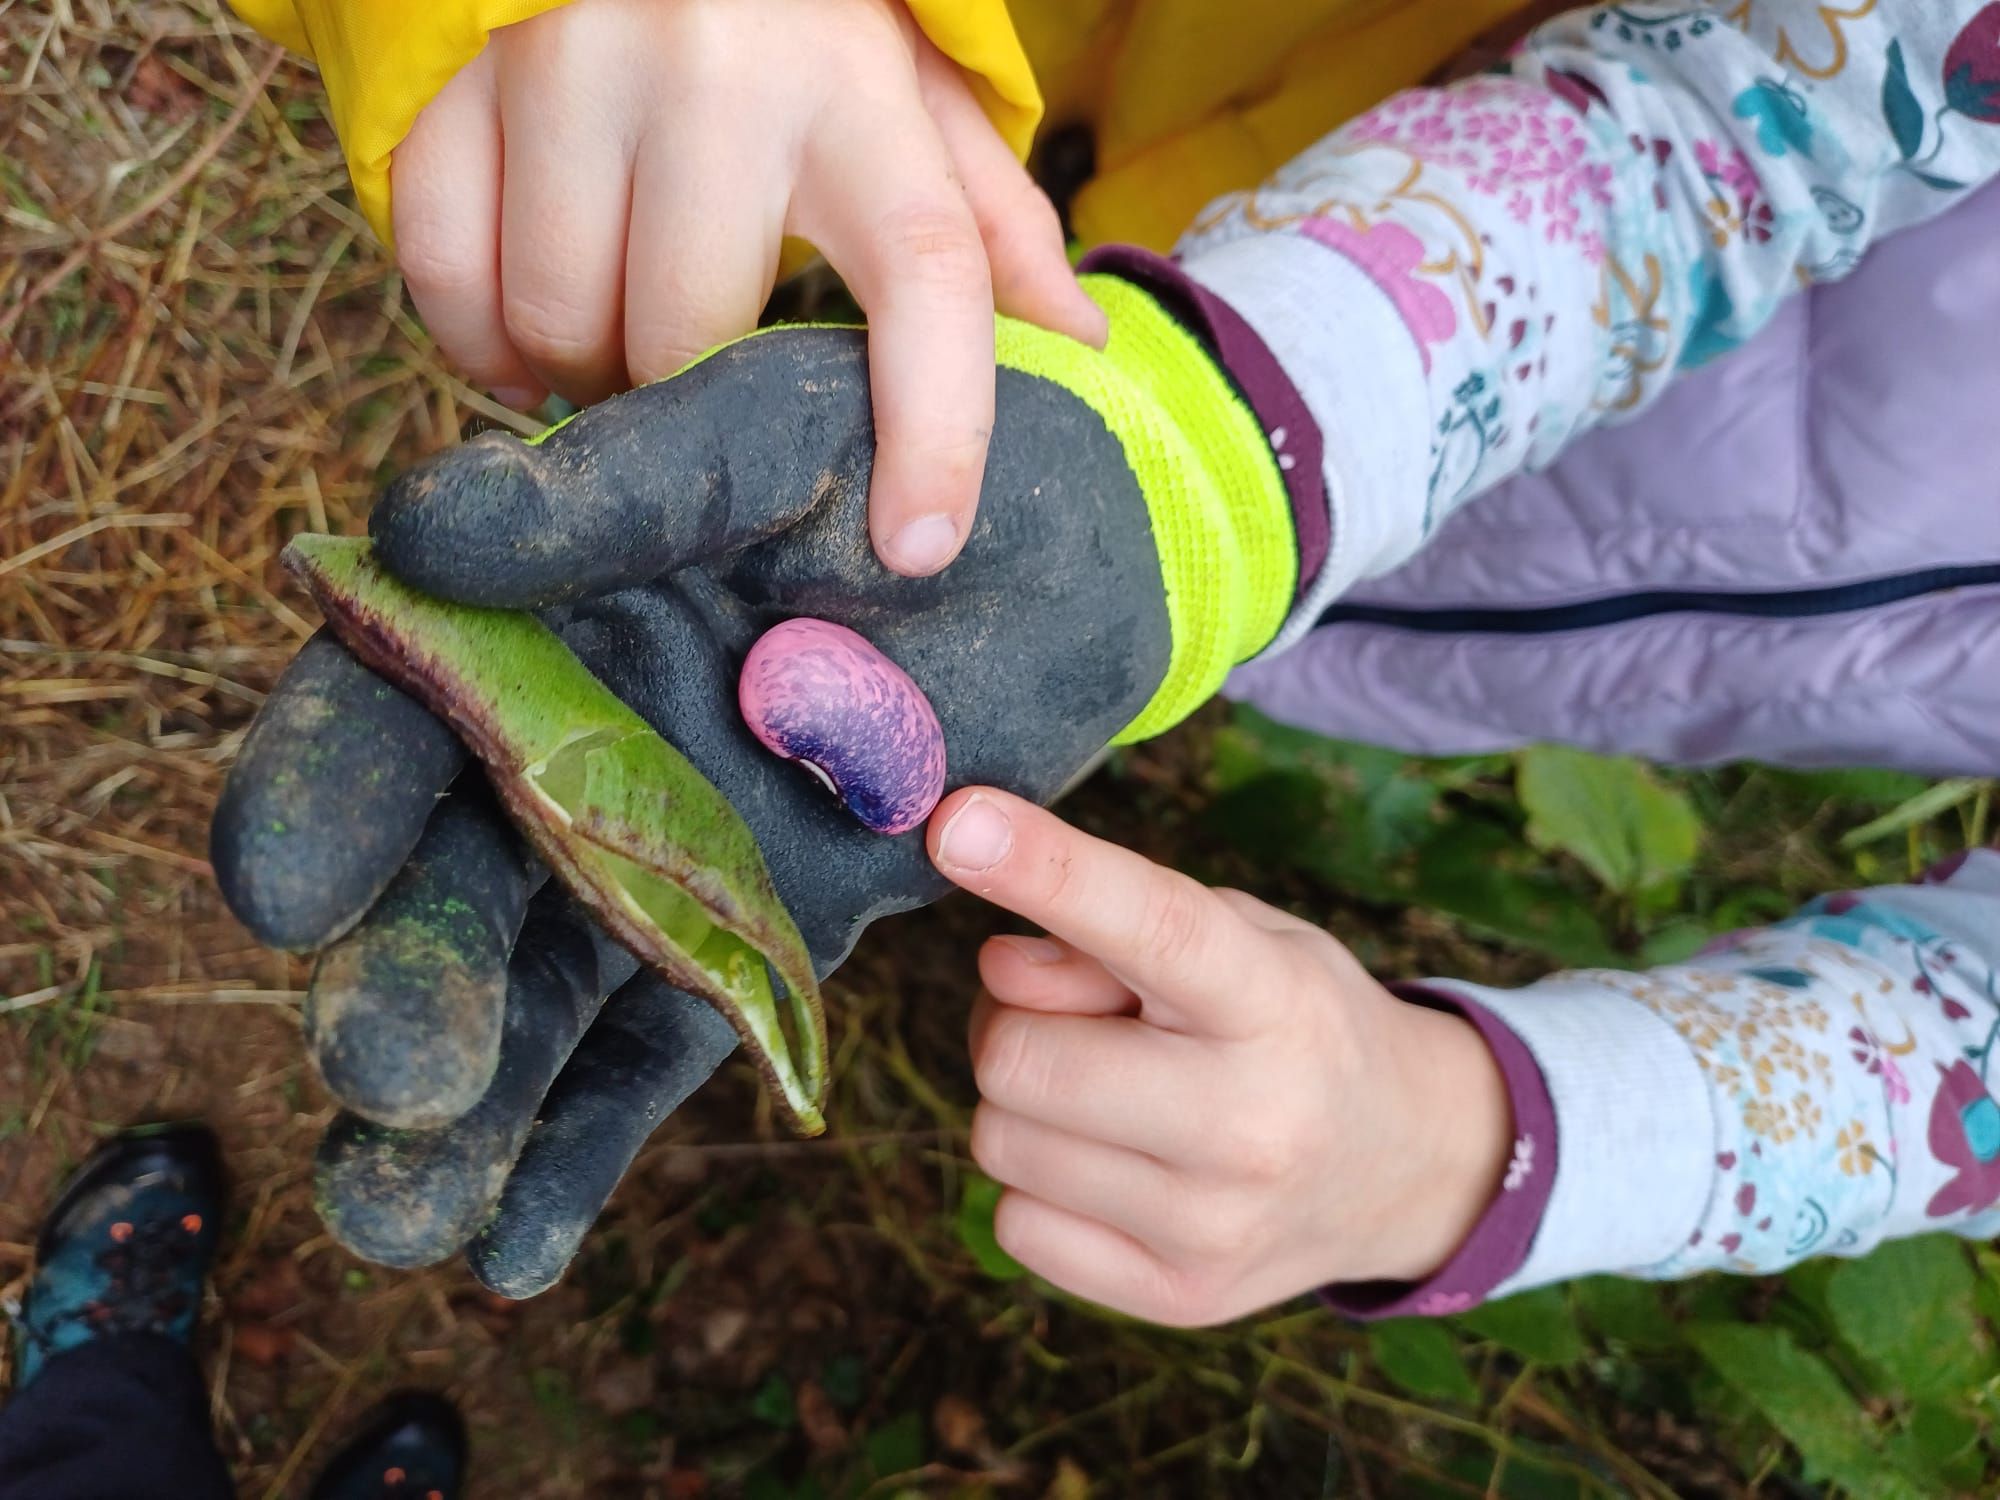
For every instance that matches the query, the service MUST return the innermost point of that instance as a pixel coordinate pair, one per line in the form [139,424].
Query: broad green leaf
[619,814]
[1942,1443]
[1631,1312]
[1797,1394]
[1908,1311]
[1421,1356]
[1630,830]
[975,1229]
[896,1447]
[1479,873]
[1537,1325]
[1674,942]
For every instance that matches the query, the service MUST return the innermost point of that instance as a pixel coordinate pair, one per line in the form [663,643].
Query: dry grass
[202,351]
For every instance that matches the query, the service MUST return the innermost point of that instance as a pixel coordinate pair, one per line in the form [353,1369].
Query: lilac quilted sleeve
[1464,279]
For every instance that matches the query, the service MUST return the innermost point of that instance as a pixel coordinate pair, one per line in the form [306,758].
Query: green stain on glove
[621,817]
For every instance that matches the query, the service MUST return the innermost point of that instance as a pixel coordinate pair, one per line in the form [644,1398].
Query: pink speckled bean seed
[817,692]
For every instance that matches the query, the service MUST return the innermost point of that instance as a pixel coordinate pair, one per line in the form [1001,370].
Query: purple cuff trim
[1499,1242]
[1295,436]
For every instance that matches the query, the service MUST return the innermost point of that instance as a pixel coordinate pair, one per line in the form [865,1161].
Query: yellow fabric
[1191,99]
[383,60]
[1222,521]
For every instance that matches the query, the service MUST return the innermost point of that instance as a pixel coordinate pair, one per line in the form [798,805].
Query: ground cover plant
[202,355]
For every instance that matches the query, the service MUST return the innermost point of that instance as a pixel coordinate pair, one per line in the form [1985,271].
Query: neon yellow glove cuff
[1222,521]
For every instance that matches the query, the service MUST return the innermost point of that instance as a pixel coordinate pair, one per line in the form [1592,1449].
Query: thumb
[1172,940]
[735,449]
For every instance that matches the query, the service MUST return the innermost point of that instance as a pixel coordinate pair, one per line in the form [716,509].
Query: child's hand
[601,196]
[1198,1104]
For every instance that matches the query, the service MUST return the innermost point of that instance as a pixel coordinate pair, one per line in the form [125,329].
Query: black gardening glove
[461,997]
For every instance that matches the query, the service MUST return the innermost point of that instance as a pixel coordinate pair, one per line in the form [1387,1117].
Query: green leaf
[1479,872]
[1900,107]
[774,1402]
[1908,1311]
[975,1229]
[1421,1356]
[1631,1312]
[1858,787]
[896,1447]
[1674,942]
[1537,1325]
[1921,808]
[1942,1443]
[621,816]
[1627,828]
[1797,1394]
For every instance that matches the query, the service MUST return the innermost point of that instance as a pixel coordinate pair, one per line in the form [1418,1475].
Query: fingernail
[977,837]
[514,397]
[923,546]
[1037,950]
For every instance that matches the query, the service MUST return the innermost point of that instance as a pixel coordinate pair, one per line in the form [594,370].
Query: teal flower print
[1779,110]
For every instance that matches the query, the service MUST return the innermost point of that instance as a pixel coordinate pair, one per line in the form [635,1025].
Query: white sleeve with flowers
[1806,1089]
[1466,278]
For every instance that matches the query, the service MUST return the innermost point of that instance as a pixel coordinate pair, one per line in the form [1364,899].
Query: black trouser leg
[120,1418]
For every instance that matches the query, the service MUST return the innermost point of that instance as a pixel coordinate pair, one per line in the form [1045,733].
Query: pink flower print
[1392,257]
[1965,1134]
[1867,1049]
[1893,1082]
[1438,1304]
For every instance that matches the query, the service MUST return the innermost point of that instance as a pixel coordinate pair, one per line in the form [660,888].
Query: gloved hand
[1134,542]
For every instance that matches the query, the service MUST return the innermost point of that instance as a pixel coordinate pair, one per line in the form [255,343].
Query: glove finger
[404,1015]
[731,451]
[331,791]
[650,1048]
[412,1197]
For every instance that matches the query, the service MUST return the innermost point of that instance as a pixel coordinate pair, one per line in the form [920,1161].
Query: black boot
[127,1246]
[413,1448]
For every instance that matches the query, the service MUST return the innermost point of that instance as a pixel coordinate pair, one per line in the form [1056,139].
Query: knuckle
[1174,922]
[710,40]
[1186,1297]
[435,262]
[1213,1234]
[551,329]
[936,247]
[989,1143]
[1027,224]
[1010,1068]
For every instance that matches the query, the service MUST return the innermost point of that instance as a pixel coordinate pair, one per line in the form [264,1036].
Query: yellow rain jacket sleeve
[1191,99]
[383,60]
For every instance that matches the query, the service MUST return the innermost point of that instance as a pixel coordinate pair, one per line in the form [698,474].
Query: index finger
[1171,938]
[905,240]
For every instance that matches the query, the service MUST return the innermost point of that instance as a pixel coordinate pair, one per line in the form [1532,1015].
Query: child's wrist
[1458,1135]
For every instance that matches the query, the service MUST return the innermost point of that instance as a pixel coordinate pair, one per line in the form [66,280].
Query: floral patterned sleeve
[1806,1089]
[1466,278]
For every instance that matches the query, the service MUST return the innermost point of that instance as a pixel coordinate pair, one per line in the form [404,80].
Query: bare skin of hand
[1199,1105]
[602,194]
